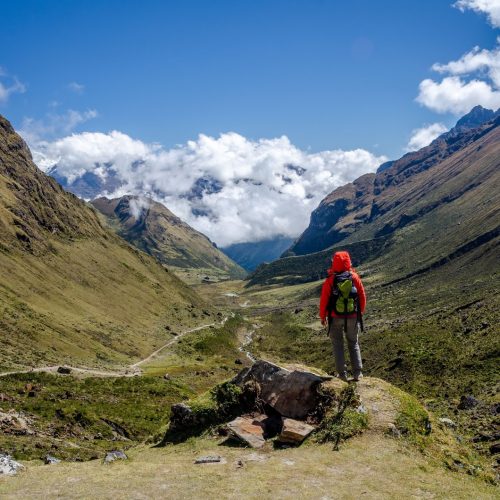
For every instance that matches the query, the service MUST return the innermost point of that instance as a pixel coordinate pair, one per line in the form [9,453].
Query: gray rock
[393,431]
[111,456]
[8,466]
[467,402]
[448,423]
[292,393]
[209,459]
[50,460]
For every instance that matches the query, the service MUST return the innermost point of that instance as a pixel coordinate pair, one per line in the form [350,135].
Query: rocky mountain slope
[71,291]
[251,254]
[421,182]
[427,208]
[151,227]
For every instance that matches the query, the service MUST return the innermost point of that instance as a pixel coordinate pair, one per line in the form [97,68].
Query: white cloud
[423,136]
[471,80]
[10,85]
[76,87]
[454,95]
[54,125]
[489,7]
[138,205]
[231,188]
[480,60]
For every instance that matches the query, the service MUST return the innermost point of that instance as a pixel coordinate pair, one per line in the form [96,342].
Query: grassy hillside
[151,227]
[71,291]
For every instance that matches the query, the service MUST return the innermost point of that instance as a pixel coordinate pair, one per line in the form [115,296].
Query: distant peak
[475,117]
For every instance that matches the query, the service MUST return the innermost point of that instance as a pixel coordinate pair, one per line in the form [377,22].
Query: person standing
[342,303]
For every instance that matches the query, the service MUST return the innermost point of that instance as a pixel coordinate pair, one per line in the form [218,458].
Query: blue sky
[205,105]
[328,74]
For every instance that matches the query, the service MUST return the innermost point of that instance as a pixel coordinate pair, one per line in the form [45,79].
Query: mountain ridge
[153,228]
[71,291]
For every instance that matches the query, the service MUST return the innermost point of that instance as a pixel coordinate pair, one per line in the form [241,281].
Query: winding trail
[130,371]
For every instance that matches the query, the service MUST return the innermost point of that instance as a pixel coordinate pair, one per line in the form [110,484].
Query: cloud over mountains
[231,188]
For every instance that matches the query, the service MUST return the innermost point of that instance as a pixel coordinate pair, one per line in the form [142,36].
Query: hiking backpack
[344,297]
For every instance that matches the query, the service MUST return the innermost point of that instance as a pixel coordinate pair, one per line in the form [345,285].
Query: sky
[233,92]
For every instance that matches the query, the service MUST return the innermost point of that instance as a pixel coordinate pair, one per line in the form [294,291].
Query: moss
[413,420]
[342,420]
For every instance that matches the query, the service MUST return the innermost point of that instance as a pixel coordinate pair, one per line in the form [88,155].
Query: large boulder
[292,394]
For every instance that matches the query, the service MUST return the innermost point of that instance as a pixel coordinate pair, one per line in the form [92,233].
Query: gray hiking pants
[336,333]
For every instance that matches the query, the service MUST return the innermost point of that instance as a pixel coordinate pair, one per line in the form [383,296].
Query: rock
[111,456]
[182,416]
[482,437]
[64,370]
[166,376]
[8,466]
[50,460]
[467,402]
[294,431]
[495,448]
[16,424]
[393,431]
[249,430]
[362,409]
[448,423]
[210,459]
[291,393]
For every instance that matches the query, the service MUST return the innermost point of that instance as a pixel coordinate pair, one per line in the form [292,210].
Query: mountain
[151,227]
[250,255]
[71,291]
[424,234]
[375,205]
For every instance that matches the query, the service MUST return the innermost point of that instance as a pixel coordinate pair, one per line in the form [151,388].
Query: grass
[368,465]
[73,417]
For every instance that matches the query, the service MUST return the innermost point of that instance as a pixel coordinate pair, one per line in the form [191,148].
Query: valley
[144,313]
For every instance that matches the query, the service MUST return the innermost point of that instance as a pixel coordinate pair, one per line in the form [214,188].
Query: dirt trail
[130,371]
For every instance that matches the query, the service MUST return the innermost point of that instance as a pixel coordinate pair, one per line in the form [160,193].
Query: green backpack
[344,296]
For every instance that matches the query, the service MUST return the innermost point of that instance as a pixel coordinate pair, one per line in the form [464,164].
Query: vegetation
[71,291]
[80,418]
[158,232]
[343,419]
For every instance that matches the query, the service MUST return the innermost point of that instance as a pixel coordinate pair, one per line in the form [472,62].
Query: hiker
[342,304]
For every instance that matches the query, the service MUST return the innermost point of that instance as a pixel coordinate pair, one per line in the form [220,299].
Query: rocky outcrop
[291,393]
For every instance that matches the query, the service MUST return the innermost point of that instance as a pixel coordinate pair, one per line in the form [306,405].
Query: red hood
[341,262]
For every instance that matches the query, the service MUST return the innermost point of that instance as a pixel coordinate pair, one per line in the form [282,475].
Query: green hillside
[71,291]
[150,226]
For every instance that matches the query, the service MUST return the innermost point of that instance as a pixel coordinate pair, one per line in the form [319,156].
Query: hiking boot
[357,376]
[343,376]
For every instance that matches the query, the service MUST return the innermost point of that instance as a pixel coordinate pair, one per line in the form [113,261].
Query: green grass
[68,413]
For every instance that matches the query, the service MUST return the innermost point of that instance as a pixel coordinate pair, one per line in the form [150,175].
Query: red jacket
[341,262]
